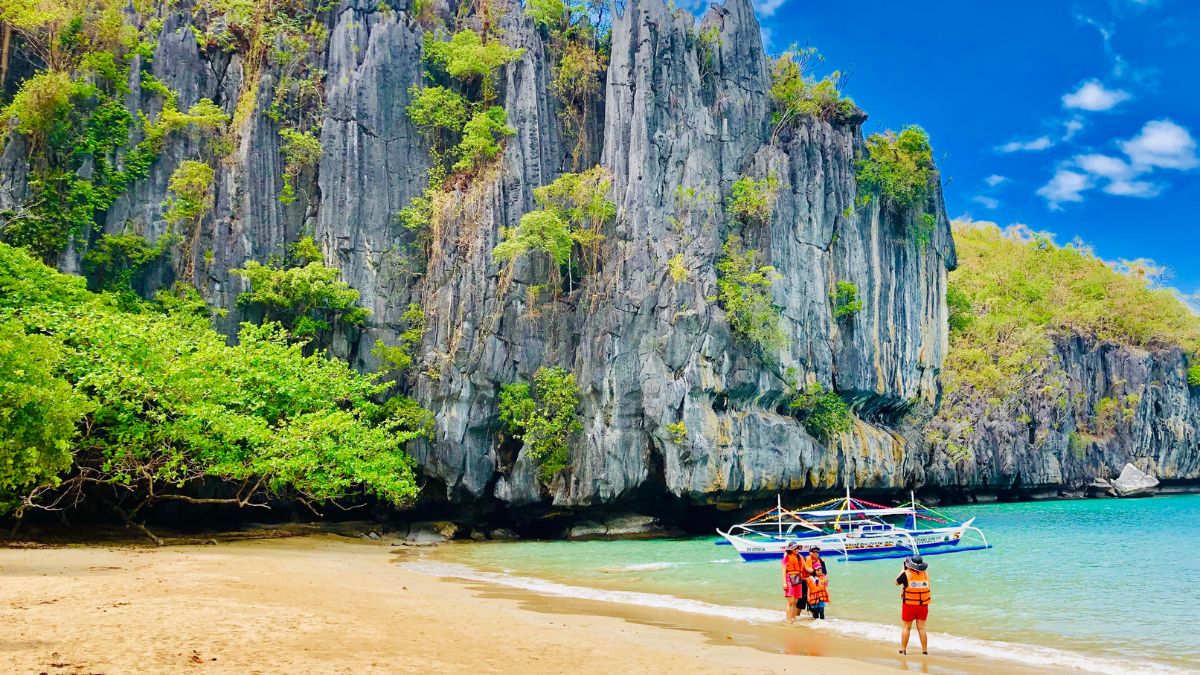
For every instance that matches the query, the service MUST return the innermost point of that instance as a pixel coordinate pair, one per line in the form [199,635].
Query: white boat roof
[854,512]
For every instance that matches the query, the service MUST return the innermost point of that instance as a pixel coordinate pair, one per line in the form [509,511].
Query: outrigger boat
[854,529]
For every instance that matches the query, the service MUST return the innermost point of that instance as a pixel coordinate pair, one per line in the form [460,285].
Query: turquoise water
[1117,581]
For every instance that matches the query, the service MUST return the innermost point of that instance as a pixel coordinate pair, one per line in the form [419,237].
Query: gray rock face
[1100,406]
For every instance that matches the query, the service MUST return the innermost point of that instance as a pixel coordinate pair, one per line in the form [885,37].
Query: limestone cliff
[647,350]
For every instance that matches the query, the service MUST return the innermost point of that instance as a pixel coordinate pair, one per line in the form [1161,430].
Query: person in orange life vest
[793,580]
[818,594]
[915,595]
[814,562]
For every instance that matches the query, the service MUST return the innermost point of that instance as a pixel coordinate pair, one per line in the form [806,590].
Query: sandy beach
[331,604]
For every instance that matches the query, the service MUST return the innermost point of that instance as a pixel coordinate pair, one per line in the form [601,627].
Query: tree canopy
[151,402]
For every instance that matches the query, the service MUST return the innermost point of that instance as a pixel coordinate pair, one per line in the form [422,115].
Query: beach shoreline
[326,603]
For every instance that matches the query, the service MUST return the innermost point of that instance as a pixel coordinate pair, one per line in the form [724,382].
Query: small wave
[642,567]
[1024,654]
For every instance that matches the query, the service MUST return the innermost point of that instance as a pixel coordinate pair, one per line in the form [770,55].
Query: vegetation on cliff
[1014,292]
[147,404]
[544,416]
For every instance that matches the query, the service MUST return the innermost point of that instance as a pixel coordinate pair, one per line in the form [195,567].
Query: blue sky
[1080,118]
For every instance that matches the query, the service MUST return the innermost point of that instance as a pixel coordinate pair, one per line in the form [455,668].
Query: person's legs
[905,628]
[924,639]
[791,609]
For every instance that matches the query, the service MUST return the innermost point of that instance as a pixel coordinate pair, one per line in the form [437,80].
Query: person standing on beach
[818,594]
[814,562]
[793,580]
[915,594]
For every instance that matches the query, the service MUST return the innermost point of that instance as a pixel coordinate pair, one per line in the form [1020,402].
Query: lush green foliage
[38,412]
[301,150]
[574,209]
[744,292]
[400,356]
[899,167]
[148,404]
[1014,290]
[437,109]
[114,260]
[823,412]
[467,56]
[540,231]
[751,200]
[307,298]
[1193,375]
[191,192]
[74,118]
[480,142]
[552,15]
[677,268]
[678,431]
[545,417]
[845,300]
[797,95]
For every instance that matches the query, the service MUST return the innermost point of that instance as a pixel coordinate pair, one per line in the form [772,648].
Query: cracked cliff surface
[674,130]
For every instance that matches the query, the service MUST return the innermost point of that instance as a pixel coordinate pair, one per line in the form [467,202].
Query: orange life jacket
[917,591]
[818,589]
[814,563]
[793,565]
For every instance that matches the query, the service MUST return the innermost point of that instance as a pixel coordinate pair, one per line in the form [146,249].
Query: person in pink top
[793,580]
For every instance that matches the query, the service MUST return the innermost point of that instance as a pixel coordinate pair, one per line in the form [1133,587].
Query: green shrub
[1193,375]
[42,106]
[306,300]
[823,412]
[677,268]
[797,95]
[541,231]
[435,109]
[752,200]
[114,260]
[744,292]
[481,138]
[301,150]
[468,57]
[959,306]
[574,208]
[845,300]
[400,356]
[899,167]
[549,14]
[708,43]
[545,417]
[678,431]
[191,192]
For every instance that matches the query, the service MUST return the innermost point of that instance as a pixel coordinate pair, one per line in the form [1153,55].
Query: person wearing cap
[915,595]
[814,562]
[794,583]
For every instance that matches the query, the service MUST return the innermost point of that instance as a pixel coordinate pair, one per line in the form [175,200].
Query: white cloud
[1072,127]
[1111,168]
[1093,96]
[767,7]
[1133,188]
[1039,143]
[1065,186]
[985,201]
[995,179]
[1162,144]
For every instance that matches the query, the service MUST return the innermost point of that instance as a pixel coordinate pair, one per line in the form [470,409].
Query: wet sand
[329,604]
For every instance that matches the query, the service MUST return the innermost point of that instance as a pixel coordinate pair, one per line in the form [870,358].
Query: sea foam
[1028,655]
